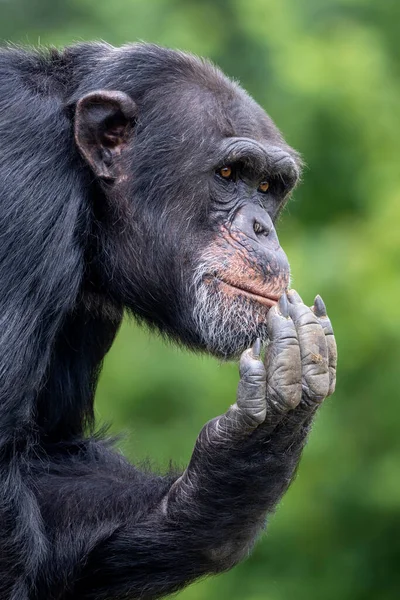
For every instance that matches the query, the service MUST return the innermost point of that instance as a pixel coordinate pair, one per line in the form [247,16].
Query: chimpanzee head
[190,176]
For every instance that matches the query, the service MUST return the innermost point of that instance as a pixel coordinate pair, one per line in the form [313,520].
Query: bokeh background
[328,72]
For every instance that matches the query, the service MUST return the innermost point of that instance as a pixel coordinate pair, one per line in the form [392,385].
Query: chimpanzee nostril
[255,223]
[260,229]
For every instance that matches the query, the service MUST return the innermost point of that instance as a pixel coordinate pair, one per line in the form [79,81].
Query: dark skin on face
[142,179]
[252,187]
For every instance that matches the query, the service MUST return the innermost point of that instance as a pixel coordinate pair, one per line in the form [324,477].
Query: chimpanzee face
[198,173]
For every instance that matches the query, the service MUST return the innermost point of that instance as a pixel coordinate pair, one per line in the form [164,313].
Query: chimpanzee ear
[104,122]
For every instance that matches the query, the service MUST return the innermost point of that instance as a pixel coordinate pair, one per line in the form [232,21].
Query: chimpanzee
[141,179]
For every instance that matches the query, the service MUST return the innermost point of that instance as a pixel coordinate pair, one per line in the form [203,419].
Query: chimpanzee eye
[263,187]
[226,172]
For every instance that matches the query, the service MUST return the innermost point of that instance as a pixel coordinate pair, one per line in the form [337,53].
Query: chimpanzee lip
[264,299]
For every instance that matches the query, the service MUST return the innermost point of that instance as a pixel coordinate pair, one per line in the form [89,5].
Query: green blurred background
[328,72]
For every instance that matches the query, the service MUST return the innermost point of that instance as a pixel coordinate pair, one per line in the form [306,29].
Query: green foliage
[329,74]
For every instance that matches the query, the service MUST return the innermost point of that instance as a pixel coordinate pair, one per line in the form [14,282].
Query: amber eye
[263,187]
[225,172]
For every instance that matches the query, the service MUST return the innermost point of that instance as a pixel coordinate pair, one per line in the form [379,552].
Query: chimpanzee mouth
[266,300]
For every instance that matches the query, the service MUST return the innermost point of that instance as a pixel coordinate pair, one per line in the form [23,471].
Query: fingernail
[294,297]
[283,306]
[319,307]
[256,348]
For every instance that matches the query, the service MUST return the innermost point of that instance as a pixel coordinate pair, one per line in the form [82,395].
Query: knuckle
[251,414]
[282,328]
[252,370]
[285,396]
[316,387]
[256,379]
[258,416]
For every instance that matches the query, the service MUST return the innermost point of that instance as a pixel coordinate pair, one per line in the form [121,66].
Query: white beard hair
[227,326]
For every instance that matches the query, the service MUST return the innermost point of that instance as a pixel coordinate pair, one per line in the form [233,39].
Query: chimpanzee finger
[282,360]
[249,410]
[250,399]
[313,349]
[319,310]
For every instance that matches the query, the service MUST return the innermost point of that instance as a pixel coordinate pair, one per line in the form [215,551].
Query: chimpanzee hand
[244,460]
[300,361]
[299,369]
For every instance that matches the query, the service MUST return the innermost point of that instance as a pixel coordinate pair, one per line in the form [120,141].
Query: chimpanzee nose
[255,223]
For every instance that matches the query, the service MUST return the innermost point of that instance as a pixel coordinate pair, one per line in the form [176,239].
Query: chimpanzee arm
[242,463]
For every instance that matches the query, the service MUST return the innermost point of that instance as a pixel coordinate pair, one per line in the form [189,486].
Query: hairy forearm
[206,520]
[147,560]
[244,480]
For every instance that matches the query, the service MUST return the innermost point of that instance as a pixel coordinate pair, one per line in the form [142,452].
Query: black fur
[78,521]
